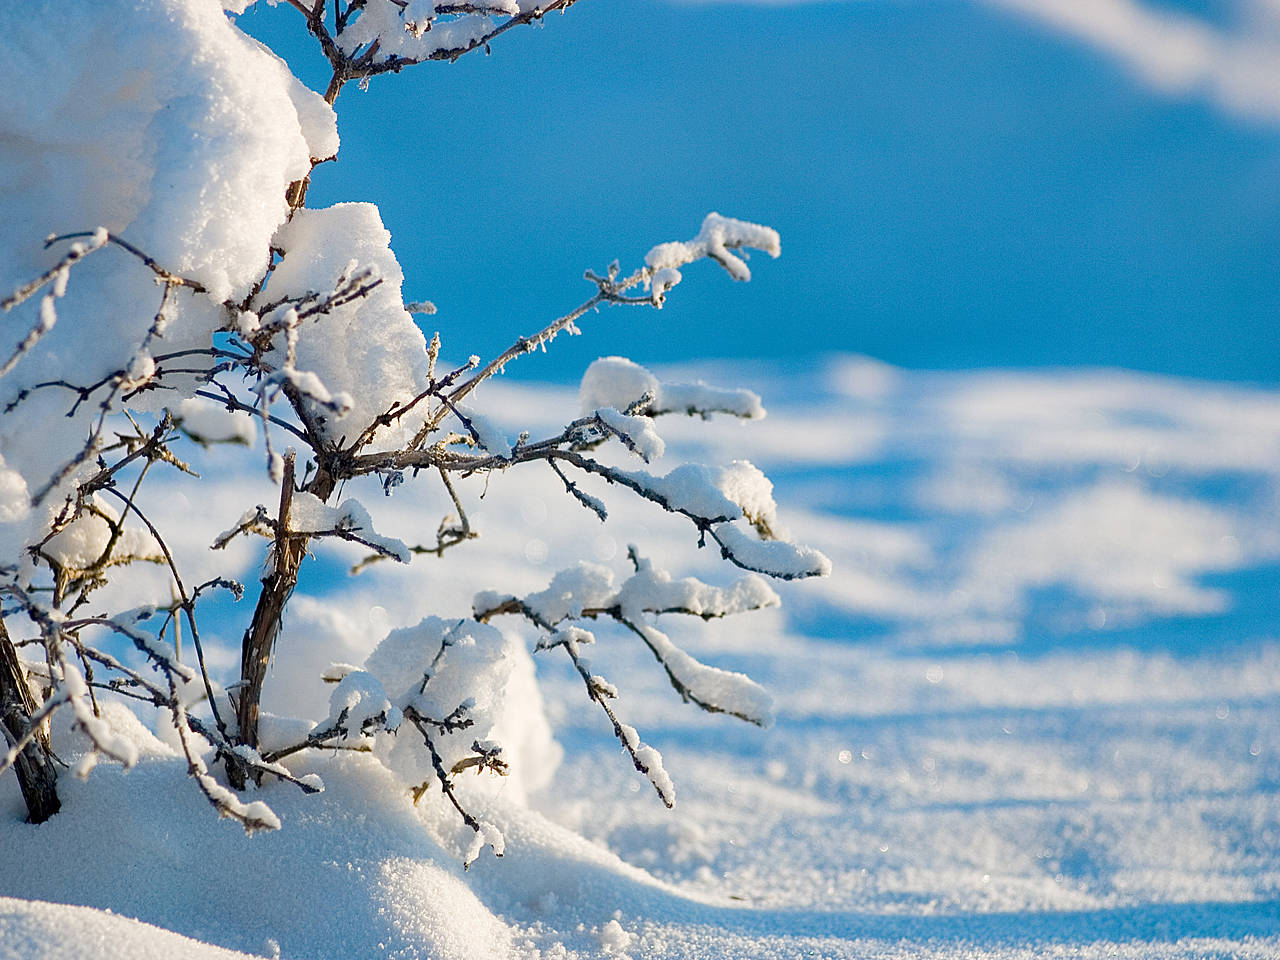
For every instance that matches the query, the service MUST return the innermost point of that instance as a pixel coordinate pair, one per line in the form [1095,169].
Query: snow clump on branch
[717,239]
[619,383]
[194,173]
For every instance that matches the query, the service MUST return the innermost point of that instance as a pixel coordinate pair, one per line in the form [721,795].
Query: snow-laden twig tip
[717,239]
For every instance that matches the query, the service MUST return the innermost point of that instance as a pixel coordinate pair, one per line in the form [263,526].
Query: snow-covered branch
[271,312]
[618,383]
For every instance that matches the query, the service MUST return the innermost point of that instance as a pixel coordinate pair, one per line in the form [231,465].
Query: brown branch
[37,776]
[437,763]
[260,638]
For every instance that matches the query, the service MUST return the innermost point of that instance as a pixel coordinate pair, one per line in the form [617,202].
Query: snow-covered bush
[171,287]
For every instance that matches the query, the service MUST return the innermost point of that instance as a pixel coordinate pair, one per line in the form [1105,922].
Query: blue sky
[957,184]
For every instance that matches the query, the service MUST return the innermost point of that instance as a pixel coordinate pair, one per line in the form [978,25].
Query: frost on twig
[251,521]
[589,592]
[56,278]
[644,758]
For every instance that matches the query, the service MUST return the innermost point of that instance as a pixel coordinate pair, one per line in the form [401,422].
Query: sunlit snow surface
[1034,712]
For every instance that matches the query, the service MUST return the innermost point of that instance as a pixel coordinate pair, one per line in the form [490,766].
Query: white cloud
[1236,65]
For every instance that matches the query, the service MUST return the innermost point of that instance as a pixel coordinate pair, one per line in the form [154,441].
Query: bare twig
[169,278]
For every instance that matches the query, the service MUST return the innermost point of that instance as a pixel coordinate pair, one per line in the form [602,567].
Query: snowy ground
[1035,712]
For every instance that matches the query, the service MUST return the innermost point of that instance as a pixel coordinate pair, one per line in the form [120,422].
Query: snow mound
[1098,780]
[158,120]
[355,874]
[34,930]
[161,122]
